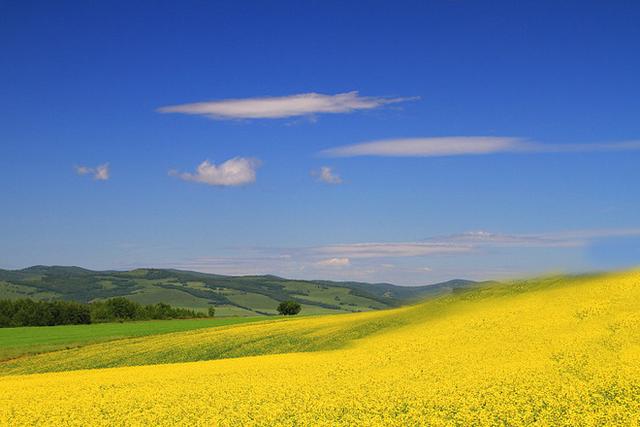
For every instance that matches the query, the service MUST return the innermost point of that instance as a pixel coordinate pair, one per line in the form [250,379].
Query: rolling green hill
[231,295]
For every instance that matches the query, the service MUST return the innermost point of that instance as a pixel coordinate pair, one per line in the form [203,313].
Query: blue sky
[408,142]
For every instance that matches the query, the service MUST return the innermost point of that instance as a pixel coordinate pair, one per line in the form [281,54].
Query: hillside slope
[562,351]
[231,295]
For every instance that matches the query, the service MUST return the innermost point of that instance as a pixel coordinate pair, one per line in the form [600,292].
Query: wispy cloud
[100,173]
[327,175]
[393,249]
[466,145]
[474,254]
[334,262]
[558,239]
[277,107]
[233,172]
[463,243]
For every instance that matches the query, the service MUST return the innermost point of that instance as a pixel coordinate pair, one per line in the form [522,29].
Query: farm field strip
[24,341]
[299,334]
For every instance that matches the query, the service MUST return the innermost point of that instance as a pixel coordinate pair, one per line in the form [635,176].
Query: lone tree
[289,308]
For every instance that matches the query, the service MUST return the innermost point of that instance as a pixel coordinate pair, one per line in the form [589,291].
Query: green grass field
[18,342]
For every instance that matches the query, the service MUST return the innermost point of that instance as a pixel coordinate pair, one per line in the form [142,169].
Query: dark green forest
[27,312]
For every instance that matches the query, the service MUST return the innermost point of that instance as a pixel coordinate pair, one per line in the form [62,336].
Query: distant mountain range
[231,295]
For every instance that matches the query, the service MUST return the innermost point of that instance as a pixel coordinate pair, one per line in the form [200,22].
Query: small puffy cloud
[327,175]
[277,107]
[234,172]
[467,145]
[334,262]
[100,173]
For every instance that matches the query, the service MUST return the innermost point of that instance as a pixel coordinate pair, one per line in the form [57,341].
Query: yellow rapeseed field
[547,352]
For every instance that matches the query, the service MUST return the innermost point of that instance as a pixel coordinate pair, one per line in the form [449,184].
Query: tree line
[27,312]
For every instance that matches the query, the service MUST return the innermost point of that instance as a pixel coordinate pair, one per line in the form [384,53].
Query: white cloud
[100,173]
[485,238]
[233,172]
[425,147]
[334,262]
[466,145]
[327,175]
[282,106]
[395,249]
